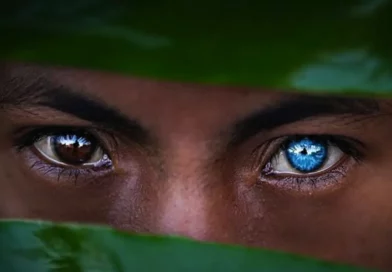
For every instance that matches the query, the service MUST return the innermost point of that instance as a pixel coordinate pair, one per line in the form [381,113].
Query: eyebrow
[25,90]
[20,91]
[297,108]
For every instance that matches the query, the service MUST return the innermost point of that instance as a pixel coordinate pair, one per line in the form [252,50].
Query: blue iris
[305,154]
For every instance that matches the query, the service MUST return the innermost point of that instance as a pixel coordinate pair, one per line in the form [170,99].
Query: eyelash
[27,137]
[350,147]
[72,173]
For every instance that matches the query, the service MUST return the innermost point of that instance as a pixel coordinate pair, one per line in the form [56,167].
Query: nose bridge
[185,203]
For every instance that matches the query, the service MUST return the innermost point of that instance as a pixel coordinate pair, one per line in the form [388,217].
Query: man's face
[300,173]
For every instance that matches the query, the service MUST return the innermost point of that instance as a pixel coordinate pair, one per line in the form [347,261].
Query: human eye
[309,162]
[64,153]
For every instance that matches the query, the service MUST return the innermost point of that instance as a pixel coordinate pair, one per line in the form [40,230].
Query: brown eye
[73,148]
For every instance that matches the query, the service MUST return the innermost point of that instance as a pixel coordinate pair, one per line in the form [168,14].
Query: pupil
[74,149]
[306,155]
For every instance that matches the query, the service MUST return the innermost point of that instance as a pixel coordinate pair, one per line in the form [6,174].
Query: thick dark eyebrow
[42,92]
[297,108]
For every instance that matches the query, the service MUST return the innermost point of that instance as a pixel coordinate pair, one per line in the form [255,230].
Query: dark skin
[199,161]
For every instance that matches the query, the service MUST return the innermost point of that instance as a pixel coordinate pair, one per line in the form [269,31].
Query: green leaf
[318,46]
[44,246]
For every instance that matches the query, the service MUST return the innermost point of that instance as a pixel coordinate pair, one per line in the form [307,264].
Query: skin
[189,180]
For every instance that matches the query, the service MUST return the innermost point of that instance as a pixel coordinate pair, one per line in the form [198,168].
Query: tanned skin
[198,161]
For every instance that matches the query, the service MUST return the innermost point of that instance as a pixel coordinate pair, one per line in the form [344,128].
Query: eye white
[281,165]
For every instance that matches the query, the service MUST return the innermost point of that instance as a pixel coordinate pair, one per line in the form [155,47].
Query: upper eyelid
[356,150]
[327,125]
[28,136]
[300,108]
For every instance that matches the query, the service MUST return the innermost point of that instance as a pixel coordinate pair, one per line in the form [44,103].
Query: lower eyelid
[63,175]
[329,180]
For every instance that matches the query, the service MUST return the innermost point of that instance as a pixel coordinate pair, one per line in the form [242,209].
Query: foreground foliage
[43,246]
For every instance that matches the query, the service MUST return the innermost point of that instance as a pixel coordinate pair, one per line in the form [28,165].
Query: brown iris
[74,148]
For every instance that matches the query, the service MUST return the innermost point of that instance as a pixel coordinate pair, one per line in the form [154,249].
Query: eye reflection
[73,149]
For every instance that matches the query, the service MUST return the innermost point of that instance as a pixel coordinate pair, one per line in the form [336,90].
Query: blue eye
[305,154]
[310,162]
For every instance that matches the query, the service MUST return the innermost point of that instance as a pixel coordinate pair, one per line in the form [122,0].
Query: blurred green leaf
[43,246]
[325,45]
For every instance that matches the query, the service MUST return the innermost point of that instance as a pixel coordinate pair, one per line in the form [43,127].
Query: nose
[184,210]
[190,202]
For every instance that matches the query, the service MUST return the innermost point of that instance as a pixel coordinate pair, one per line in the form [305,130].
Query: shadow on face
[301,173]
